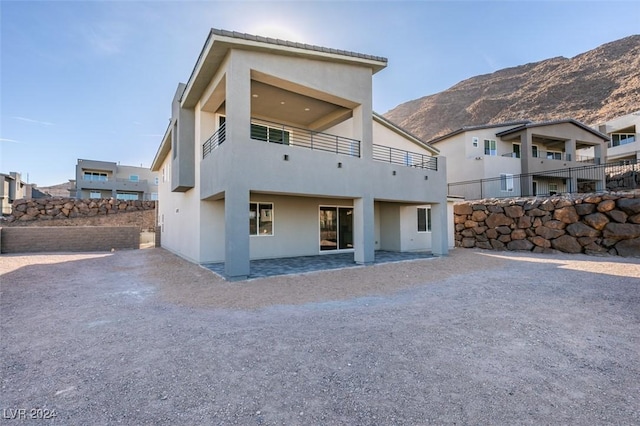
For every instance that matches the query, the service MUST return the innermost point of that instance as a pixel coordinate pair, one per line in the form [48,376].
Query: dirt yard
[144,337]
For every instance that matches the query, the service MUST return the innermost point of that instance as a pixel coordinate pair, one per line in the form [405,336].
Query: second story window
[134,178]
[95,176]
[490,147]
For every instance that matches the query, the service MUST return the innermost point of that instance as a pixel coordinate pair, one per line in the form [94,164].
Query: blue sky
[95,79]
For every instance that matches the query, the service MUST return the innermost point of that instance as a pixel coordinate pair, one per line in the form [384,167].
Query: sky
[95,79]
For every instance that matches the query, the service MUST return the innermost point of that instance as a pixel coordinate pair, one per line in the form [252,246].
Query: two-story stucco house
[523,158]
[107,179]
[624,134]
[273,150]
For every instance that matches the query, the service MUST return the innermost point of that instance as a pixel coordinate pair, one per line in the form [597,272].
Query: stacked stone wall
[596,224]
[58,211]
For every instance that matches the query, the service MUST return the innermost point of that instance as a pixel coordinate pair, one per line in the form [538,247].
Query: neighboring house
[14,188]
[273,150]
[624,134]
[524,157]
[105,179]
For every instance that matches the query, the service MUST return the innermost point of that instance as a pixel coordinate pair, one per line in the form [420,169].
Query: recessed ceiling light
[281,102]
[306,109]
[255,95]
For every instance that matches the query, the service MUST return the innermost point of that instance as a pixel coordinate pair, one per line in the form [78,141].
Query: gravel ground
[144,337]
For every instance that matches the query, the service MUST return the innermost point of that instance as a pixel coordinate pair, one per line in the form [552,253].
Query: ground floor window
[424,219]
[336,228]
[506,182]
[128,196]
[95,194]
[260,218]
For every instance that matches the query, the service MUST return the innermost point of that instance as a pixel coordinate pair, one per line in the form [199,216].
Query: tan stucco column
[363,230]
[570,150]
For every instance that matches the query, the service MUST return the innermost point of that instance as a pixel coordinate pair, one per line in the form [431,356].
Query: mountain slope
[592,87]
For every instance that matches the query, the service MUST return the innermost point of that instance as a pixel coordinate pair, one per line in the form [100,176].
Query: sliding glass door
[336,228]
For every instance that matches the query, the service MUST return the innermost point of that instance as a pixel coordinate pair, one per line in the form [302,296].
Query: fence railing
[615,176]
[406,158]
[268,131]
[214,141]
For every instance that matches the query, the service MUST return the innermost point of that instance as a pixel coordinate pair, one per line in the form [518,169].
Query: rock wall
[58,211]
[596,224]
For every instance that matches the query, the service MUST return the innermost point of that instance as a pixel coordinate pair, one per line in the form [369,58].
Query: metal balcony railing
[618,139]
[283,134]
[214,141]
[406,158]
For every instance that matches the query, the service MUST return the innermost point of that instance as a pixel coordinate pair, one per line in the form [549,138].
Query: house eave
[220,42]
[163,150]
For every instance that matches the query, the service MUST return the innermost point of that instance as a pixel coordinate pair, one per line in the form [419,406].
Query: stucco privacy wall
[596,224]
[68,238]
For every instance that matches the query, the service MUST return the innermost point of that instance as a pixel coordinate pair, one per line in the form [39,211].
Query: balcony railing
[405,158]
[214,141]
[268,131]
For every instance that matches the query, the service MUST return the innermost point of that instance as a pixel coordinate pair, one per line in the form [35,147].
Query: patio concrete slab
[303,264]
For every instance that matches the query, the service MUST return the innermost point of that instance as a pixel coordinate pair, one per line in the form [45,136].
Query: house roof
[478,127]
[552,123]
[219,42]
[405,133]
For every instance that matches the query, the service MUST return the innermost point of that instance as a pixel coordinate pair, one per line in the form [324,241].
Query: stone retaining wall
[20,239]
[597,224]
[59,211]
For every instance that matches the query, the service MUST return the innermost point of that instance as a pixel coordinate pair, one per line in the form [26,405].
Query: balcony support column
[363,230]
[570,150]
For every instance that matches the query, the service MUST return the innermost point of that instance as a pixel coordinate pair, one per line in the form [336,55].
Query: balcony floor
[303,264]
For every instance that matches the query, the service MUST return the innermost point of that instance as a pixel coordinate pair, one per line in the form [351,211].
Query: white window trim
[427,218]
[273,221]
[508,178]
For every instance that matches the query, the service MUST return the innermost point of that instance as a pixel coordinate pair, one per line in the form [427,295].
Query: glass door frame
[337,249]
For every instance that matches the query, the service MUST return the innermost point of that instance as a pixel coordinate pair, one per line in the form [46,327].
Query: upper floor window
[490,147]
[618,139]
[516,150]
[474,142]
[134,178]
[155,180]
[269,134]
[95,176]
[154,196]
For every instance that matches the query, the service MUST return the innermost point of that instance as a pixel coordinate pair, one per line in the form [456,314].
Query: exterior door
[336,228]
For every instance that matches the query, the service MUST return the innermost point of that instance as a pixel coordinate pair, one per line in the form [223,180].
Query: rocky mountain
[592,87]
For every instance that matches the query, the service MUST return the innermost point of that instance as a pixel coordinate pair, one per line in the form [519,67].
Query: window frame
[91,195]
[492,149]
[134,178]
[505,179]
[474,141]
[258,205]
[427,220]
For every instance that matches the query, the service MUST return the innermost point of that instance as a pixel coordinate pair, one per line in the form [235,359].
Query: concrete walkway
[302,264]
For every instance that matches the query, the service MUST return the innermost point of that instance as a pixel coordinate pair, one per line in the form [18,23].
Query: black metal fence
[406,158]
[616,176]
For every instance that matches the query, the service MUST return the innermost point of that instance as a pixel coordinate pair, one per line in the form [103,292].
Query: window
[95,194]
[424,219]
[260,218]
[155,180]
[134,178]
[269,134]
[553,188]
[164,178]
[618,139]
[95,176]
[534,151]
[506,182]
[474,141]
[127,196]
[516,150]
[154,196]
[553,155]
[490,147]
